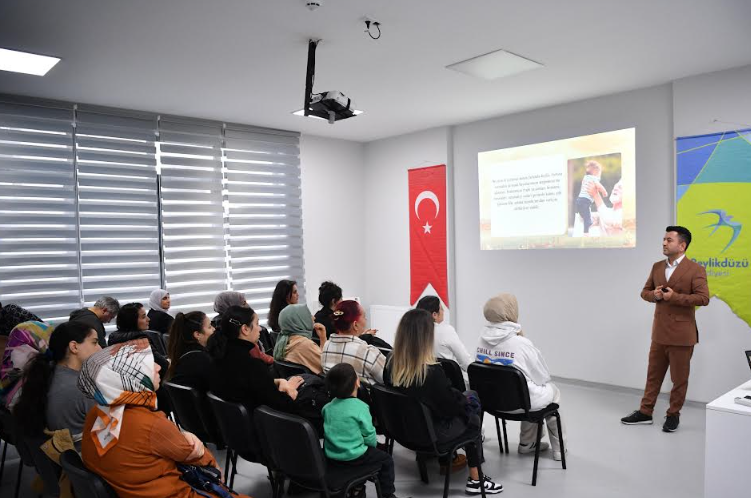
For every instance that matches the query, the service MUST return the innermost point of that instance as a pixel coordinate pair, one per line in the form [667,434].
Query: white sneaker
[557,455]
[491,488]
[525,449]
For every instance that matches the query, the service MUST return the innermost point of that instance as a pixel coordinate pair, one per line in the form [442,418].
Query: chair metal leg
[505,435]
[423,468]
[227,462]
[498,432]
[234,471]
[448,478]
[481,476]
[2,462]
[18,478]
[560,439]
[377,483]
[537,452]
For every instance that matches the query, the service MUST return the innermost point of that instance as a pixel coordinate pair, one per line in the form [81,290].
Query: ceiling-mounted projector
[331,105]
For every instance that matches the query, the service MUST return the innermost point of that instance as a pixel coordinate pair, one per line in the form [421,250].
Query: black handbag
[206,481]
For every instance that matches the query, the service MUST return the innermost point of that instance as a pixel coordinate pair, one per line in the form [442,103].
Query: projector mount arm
[310,75]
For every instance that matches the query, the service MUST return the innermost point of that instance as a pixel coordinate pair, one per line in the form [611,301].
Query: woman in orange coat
[125,440]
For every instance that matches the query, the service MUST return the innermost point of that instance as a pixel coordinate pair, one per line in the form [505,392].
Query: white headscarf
[155,300]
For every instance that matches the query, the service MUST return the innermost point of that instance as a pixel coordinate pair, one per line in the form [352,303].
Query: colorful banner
[712,197]
[427,232]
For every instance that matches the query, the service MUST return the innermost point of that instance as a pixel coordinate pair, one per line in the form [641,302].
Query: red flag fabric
[427,232]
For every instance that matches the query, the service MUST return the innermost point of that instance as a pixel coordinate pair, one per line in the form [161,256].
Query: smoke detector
[313,4]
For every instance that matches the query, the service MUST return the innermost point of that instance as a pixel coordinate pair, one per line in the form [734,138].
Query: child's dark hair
[232,321]
[31,410]
[431,304]
[341,380]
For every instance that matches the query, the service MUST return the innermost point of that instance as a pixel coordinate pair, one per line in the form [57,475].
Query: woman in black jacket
[238,377]
[190,363]
[412,368]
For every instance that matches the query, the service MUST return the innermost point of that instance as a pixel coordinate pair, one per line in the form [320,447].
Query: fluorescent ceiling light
[494,65]
[301,112]
[23,62]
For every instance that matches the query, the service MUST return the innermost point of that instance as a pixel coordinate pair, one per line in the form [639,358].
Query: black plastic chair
[454,373]
[237,429]
[407,421]
[6,439]
[11,435]
[286,369]
[503,389]
[194,414]
[291,446]
[48,470]
[86,484]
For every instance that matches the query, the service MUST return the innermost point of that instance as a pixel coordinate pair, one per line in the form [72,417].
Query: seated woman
[295,342]
[238,377]
[412,368]
[222,302]
[189,360]
[447,343]
[285,293]
[25,341]
[329,295]
[127,442]
[50,397]
[502,338]
[346,346]
[133,323]
[159,320]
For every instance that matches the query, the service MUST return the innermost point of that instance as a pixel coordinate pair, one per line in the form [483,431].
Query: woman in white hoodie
[501,342]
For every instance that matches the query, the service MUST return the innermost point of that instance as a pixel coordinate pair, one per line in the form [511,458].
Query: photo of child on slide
[588,178]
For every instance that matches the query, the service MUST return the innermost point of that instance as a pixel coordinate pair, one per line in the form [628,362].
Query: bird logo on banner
[724,221]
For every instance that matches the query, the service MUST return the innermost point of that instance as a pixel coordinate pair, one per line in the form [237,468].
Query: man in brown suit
[676,286]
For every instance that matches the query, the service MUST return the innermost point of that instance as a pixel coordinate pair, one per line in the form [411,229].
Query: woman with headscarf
[127,442]
[501,342]
[25,341]
[223,302]
[295,342]
[159,320]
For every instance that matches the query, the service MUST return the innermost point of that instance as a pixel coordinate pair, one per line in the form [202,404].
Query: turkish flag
[427,232]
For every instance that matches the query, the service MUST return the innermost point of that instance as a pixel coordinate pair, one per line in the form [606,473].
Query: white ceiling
[244,60]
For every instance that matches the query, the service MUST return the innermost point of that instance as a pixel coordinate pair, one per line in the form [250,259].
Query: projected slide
[572,193]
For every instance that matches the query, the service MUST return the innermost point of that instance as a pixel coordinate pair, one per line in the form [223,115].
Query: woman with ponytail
[50,397]
[236,375]
[189,361]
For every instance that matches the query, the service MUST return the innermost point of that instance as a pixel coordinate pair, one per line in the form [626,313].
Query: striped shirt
[586,182]
[368,361]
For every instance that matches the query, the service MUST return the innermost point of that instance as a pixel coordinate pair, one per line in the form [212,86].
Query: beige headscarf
[502,308]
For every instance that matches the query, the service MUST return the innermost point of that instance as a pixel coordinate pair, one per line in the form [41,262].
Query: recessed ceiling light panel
[498,64]
[26,63]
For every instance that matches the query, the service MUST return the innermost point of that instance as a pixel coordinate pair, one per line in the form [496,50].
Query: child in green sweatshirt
[349,435]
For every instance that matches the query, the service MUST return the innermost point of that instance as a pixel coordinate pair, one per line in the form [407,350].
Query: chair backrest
[500,388]
[237,428]
[48,470]
[454,373]
[288,369]
[291,446]
[404,418]
[194,412]
[86,484]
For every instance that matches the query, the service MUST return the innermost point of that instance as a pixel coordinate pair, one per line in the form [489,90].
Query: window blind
[192,212]
[263,212]
[38,232]
[118,205]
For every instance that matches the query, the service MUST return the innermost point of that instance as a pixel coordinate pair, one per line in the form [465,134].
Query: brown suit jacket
[675,321]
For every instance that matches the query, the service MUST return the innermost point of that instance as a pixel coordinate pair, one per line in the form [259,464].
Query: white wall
[333,198]
[581,307]
[698,101]
[387,207]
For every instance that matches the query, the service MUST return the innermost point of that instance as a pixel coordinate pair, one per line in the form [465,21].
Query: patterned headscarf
[295,319]
[114,377]
[155,299]
[225,300]
[25,341]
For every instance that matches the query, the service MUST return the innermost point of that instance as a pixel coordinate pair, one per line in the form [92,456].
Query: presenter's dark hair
[683,234]
[431,304]
[328,292]
[341,380]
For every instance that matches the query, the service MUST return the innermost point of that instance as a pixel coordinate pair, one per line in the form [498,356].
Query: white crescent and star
[427,194]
